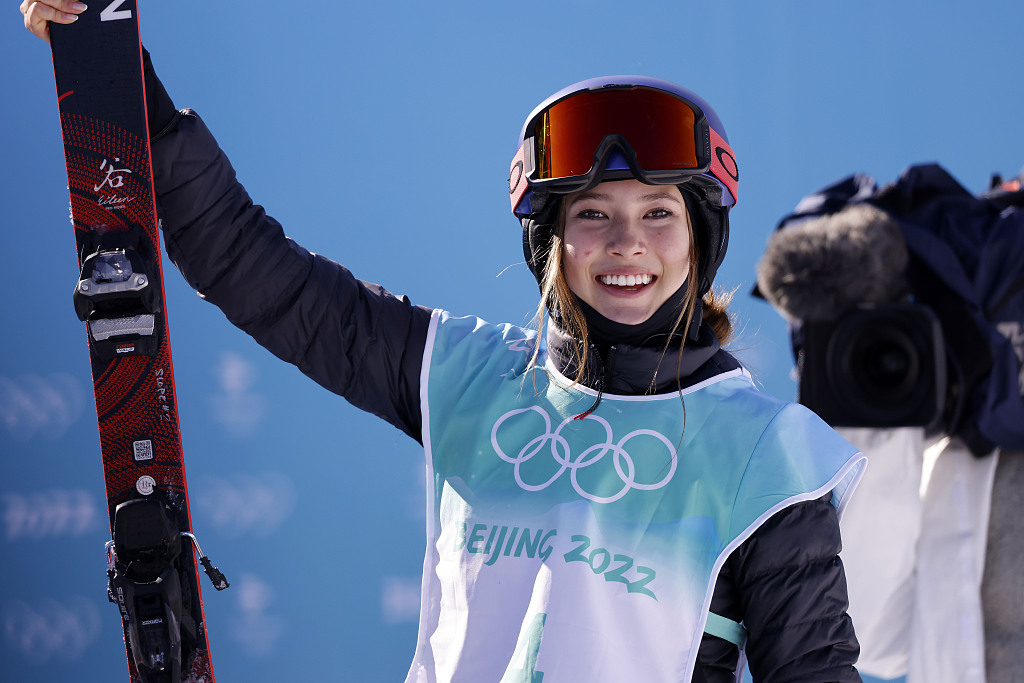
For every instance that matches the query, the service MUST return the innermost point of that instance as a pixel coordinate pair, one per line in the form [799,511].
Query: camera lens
[884,363]
[875,366]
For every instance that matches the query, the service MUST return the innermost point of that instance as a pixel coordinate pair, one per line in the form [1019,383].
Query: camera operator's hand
[39,14]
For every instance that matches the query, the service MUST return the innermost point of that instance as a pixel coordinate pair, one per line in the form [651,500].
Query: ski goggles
[665,138]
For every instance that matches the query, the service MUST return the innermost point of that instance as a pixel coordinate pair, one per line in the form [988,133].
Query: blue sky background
[380,134]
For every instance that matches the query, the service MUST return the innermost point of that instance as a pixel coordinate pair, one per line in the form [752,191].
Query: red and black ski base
[151,560]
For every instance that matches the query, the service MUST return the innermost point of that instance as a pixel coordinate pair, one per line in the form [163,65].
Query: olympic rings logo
[558,446]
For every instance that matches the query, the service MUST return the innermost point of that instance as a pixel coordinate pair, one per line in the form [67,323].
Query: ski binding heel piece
[146,585]
[143,562]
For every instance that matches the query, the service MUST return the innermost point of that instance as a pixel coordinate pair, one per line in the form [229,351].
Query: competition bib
[587,549]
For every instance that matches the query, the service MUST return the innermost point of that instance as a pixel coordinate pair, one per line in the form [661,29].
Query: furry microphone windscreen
[821,267]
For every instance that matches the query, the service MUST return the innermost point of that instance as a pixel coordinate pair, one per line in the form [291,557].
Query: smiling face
[626,247]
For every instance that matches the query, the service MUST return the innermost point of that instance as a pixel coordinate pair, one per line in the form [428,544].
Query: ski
[152,555]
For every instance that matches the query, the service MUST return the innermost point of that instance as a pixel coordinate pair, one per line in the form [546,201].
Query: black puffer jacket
[786,583]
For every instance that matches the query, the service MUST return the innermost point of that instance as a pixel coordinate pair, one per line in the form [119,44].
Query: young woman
[610,499]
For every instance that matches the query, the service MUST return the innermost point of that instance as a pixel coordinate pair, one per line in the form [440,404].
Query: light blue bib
[587,549]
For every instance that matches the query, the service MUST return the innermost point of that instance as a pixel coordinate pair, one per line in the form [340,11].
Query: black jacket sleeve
[352,337]
[787,585]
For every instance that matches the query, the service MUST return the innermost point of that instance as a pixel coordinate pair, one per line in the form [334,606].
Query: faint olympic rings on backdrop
[622,461]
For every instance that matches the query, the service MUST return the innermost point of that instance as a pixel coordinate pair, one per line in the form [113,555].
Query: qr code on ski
[143,450]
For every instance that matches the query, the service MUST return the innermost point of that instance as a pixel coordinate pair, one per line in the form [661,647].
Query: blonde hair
[558,298]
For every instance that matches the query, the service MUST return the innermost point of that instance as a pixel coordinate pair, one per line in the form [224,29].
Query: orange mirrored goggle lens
[659,127]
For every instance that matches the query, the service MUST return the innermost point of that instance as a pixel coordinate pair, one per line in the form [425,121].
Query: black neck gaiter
[631,359]
[604,333]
